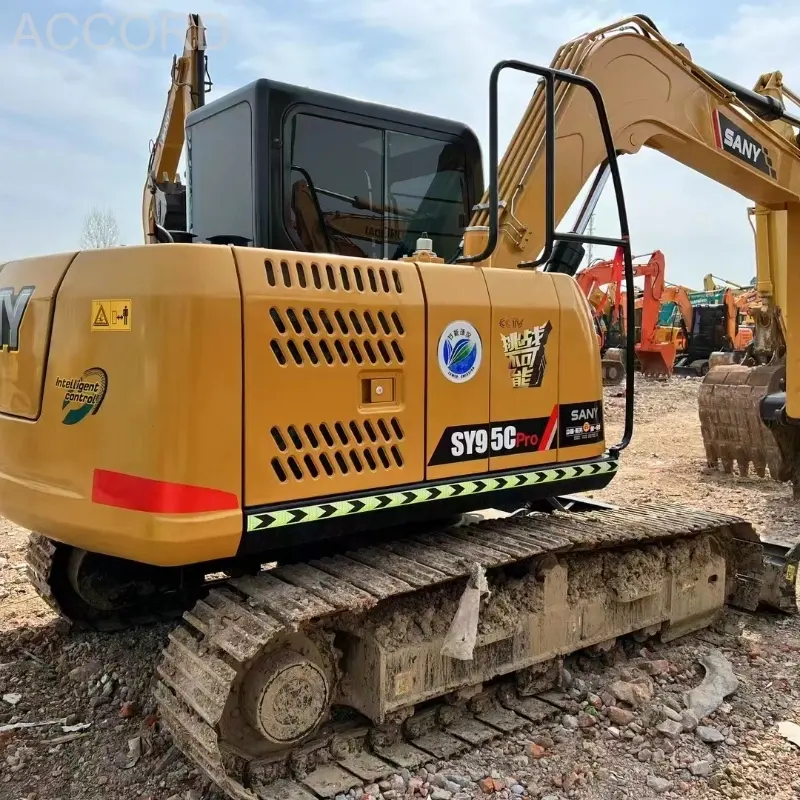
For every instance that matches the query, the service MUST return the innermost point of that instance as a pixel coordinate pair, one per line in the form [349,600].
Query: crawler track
[559,583]
[47,570]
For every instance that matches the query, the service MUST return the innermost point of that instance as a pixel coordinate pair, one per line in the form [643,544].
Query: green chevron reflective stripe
[262,520]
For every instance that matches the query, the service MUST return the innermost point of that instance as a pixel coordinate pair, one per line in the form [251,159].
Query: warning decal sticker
[111,315]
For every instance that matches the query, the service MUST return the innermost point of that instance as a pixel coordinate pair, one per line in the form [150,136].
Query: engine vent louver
[337,449]
[377,280]
[317,336]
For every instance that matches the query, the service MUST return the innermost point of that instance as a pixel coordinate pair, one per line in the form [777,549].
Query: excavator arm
[598,274]
[679,296]
[653,272]
[656,358]
[186,92]
[731,316]
[655,96]
[602,273]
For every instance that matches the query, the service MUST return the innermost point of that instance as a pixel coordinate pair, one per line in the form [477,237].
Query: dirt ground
[99,739]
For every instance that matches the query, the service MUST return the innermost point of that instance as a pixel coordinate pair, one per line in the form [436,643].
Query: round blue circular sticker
[459,351]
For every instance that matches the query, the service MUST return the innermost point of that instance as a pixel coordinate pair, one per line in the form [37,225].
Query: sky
[85,83]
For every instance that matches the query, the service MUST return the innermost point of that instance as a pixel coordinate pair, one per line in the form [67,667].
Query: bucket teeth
[557,583]
[656,359]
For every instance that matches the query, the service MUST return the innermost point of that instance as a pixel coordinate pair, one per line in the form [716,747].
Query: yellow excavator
[164,196]
[746,409]
[290,448]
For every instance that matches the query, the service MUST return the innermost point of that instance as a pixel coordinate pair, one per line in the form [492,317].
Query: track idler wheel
[731,426]
[286,697]
[100,592]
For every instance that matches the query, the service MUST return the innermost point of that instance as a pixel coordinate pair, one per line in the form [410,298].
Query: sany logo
[12,309]
[748,148]
[578,415]
[735,140]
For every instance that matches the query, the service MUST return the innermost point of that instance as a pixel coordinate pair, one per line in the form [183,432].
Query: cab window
[356,190]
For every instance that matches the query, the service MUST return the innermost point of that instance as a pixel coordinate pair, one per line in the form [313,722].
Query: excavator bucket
[724,358]
[729,406]
[656,358]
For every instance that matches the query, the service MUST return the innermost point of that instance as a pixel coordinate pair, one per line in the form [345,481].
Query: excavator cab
[286,167]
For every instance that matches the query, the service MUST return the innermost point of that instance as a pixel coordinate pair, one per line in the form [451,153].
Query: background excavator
[714,330]
[601,282]
[655,357]
[747,303]
[710,283]
[164,196]
[746,299]
[675,318]
[387,629]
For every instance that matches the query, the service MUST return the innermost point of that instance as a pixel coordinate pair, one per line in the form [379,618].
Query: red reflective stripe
[550,430]
[162,497]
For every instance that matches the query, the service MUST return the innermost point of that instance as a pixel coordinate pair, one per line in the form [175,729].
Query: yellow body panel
[455,293]
[23,363]
[172,409]
[335,375]
[253,379]
[580,375]
[523,303]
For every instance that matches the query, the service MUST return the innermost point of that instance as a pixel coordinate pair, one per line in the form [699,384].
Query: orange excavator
[608,314]
[675,318]
[747,303]
[656,357]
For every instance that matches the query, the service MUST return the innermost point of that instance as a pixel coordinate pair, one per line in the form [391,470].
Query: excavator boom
[163,195]
[657,97]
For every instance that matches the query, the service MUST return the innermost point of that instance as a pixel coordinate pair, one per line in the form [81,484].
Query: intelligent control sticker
[82,396]
[459,351]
